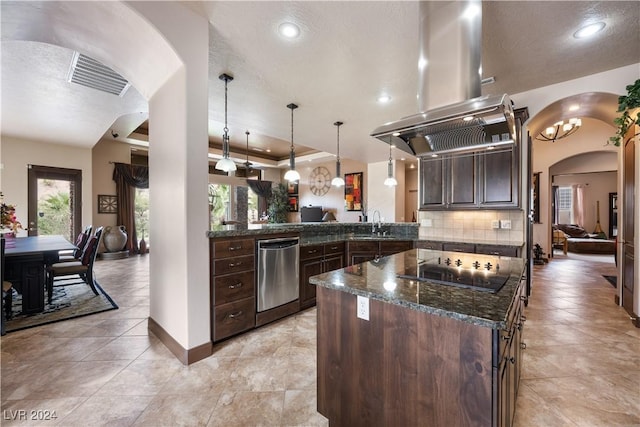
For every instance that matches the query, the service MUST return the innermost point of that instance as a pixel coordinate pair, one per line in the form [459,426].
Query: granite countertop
[379,280]
[317,233]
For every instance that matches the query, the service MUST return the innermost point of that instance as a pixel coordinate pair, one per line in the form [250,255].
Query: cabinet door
[499,179]
[462,181]
[335,262]
[309,268]
[432,184]
[359,257]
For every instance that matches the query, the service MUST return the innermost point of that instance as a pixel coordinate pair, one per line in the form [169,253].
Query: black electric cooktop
[478,280]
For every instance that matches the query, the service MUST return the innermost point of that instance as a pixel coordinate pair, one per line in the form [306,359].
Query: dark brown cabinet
[359,251]
[499,180]
[317,259]
[489,179]
[233,287]
[448,182]
[439,371]
[508,365]
[477,248]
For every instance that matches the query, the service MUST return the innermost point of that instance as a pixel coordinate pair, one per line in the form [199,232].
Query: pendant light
[338,181]
[225,164]
[247,164]
[292,174]
[390,181]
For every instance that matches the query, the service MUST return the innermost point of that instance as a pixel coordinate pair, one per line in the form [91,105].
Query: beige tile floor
[581,366]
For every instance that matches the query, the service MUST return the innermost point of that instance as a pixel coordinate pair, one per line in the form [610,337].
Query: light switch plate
[363,307]
[505,223]
[495,224]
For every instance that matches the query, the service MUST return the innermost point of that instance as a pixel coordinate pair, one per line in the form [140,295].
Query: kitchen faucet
[373,221]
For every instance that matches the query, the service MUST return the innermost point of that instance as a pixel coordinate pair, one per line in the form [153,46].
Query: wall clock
[320,181]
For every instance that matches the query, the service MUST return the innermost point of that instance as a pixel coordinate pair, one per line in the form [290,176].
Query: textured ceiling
[348,53]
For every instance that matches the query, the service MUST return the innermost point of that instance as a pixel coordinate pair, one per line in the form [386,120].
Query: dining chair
[80,243]
[7,290]
[83,268]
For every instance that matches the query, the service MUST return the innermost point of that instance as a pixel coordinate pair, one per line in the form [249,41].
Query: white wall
[546,155]
[178,177]
[334,199]
[17,154]
[104,154]
[597,187]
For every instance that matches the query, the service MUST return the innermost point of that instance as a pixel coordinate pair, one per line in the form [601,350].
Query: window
[565,203]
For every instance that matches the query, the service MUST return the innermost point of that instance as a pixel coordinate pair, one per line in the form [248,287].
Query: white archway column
[178,176]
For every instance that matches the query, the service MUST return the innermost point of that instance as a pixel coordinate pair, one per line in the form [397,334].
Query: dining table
[26,261]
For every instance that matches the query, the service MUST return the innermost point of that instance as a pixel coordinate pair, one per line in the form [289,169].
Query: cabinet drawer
[425,244]
[388,248]
[233,318]
[233,265]
[233,287]
[233,248]
[333,248]
[363,246]
[311,251]
[458,247]
[500,250]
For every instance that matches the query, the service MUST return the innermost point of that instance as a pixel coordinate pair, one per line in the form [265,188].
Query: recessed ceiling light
[574,107]
[383,99]
[589,30]
[289,30]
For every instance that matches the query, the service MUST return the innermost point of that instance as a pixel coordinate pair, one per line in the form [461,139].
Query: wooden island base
[403,367]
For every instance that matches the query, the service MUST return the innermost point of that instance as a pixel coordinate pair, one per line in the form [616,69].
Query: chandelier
[225,164]
[560,130]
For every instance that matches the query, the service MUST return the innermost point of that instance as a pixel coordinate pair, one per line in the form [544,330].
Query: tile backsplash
[472,226]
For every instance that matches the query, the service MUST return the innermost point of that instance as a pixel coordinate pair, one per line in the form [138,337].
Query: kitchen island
[428,353]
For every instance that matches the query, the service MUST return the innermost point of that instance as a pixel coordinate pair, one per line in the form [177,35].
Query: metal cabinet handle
[506,337]
[523,345]
[235,315]
[312,251]
[333,248]
[235,248]
[236,286]
[512,360]
[523,318]
[523,298]
[520,325]
[231,264]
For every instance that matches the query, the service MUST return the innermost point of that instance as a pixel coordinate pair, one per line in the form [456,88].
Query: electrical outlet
[426,223]
[363,307]
[495,224]
[505,223]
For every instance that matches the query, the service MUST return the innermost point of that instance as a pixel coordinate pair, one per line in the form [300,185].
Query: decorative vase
[114,238]
[143,246]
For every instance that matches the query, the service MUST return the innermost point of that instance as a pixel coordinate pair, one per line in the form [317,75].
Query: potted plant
[626,105]
[278,204]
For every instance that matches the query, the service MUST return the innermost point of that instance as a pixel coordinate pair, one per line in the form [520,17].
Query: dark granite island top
[379,280]
[417,352]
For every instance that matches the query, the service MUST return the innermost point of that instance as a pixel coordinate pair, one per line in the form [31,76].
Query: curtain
[263,190]
[555,212]
[127,178]
[577,195]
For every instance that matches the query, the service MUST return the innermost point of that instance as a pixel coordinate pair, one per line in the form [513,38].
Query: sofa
[574,238]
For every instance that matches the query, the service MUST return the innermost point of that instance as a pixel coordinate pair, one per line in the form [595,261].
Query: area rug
[74,299]
[612,279]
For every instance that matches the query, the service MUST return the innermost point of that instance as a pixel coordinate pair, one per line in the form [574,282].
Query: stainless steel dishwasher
[278,272]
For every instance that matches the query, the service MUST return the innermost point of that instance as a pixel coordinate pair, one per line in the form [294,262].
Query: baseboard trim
[186,357]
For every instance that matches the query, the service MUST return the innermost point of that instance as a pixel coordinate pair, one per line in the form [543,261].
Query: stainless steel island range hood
[450,70]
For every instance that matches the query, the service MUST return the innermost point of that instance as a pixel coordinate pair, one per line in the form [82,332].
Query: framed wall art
[107,204]
[293,203]
[353,191]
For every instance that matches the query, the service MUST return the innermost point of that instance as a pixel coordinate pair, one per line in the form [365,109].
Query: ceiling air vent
[88,72]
